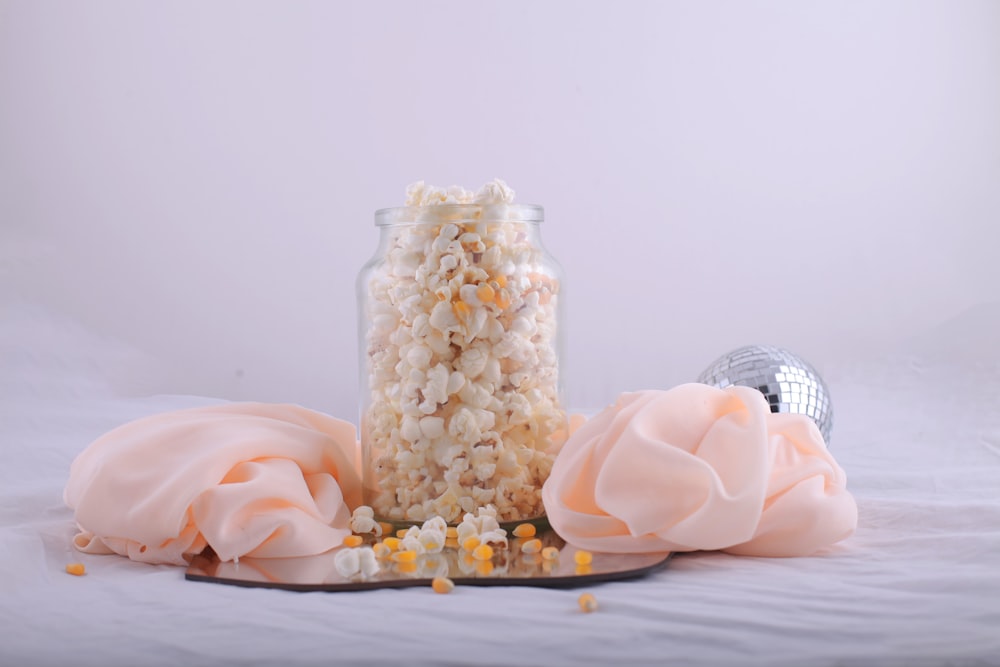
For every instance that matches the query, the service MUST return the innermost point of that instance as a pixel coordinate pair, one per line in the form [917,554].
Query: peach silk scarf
[695,468]
[247,479]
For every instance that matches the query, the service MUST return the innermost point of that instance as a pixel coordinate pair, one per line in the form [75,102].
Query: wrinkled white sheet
[918,434]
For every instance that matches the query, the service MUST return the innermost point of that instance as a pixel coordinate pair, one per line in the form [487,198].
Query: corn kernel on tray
[544,560]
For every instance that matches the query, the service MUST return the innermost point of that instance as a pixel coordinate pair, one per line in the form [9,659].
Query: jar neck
[460,214]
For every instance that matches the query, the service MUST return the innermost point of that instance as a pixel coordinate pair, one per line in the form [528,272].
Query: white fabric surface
[918,433]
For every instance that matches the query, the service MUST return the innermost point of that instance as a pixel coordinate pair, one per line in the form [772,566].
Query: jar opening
[459,213]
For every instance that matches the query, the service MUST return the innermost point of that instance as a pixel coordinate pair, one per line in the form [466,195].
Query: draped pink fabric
[247,479]
[695,468]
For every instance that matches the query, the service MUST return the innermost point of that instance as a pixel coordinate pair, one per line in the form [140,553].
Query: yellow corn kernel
[484,568]
[442,585]
[76,569]
[584,569]
[550,553]
[582,557]
[451,532]
[386,527]
[353,541]
[502,299]
[485,293]
[548,566]
[482,552]
[405,556]
[500,280]
[401,533]
[382,550]
[451,543]
[587,602]
[524,530]
[470,543]
[532,546]
[392,542]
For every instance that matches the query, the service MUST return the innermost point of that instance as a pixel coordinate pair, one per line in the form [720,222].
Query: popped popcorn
[462,405]
[351,561]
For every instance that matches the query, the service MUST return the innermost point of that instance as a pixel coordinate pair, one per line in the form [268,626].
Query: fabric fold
[247,479]
[698,468]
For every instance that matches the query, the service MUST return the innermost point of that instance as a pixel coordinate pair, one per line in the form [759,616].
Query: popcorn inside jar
[460,339]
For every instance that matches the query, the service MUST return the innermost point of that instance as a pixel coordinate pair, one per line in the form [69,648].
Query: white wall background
[195,181]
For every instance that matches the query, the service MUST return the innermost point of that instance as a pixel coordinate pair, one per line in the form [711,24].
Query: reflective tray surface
[509,567]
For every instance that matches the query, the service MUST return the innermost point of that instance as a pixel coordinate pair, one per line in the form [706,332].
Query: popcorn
[463,407]
[363,521]
[350,562]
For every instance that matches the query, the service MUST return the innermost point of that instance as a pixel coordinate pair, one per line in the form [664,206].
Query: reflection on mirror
[513,565]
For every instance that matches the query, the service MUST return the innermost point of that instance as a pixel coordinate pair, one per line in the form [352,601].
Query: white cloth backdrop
[918,434]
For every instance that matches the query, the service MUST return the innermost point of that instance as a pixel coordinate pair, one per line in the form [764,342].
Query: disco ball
[789,383]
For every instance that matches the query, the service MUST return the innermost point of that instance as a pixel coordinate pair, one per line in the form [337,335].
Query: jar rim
[459,213]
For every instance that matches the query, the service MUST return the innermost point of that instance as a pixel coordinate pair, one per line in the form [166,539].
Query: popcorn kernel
[532,546]
[76,569]
[525,530]
[470,543]
[382,550]
[451,532]
[442,585]
[550,553]
[484,568]
[353,541]
[583,557]
[587,602]
[485,293]
[392,542]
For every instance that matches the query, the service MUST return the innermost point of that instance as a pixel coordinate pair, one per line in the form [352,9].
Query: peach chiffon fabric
[696,468]
[247,479]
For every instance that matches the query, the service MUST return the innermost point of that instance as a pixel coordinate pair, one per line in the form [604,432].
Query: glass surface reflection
[509,567]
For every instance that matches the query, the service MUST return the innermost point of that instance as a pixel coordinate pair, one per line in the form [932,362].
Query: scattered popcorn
[363,521]
[347,562]
[76,569]
[368,562]
[350,562]
[463,408]
[496,537]
[587,602]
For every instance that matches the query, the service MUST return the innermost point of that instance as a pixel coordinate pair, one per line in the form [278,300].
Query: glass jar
[460,329]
